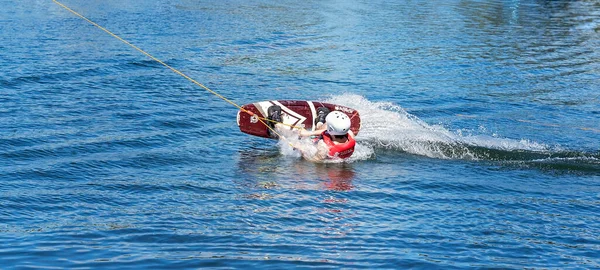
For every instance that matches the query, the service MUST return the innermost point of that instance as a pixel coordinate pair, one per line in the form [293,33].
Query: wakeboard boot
[322,113]
[273,114]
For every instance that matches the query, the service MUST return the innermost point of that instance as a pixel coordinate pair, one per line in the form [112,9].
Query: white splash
[389,126]
[361,152]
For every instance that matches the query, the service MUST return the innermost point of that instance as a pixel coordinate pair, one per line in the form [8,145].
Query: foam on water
[388,126]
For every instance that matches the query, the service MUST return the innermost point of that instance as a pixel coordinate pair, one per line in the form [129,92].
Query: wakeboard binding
[273,114]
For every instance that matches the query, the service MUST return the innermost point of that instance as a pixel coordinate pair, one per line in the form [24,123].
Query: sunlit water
[478,148]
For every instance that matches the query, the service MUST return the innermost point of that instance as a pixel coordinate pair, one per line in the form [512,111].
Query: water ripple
[478,146]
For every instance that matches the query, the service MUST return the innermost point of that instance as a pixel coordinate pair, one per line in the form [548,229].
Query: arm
[316,132]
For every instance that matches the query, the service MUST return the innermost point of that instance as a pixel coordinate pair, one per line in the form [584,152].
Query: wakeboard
[295,113]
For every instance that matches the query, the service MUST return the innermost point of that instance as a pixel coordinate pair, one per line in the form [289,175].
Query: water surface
[478,149]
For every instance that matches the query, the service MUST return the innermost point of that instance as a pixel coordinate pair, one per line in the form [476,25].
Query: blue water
[478,149]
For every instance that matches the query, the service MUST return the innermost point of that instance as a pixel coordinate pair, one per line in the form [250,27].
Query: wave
[387,126]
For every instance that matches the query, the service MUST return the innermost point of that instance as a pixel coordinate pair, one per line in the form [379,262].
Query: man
[332,137]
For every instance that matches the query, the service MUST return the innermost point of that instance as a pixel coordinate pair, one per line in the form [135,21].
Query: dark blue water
[479,145]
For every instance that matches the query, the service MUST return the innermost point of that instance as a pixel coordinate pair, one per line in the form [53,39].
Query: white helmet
[338,123]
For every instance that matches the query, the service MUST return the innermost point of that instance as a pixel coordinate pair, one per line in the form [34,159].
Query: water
[479,146]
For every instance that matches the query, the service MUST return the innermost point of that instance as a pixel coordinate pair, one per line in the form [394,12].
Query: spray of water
[361,152]
[387,126]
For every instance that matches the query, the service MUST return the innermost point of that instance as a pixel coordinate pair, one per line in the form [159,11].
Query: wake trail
[388,126]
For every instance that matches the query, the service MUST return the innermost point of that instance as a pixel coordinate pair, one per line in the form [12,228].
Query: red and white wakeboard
[295,113]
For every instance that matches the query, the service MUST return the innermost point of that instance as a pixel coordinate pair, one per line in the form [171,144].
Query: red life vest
[341,150]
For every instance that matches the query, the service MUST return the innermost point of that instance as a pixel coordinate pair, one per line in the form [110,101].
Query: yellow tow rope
[261,119]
